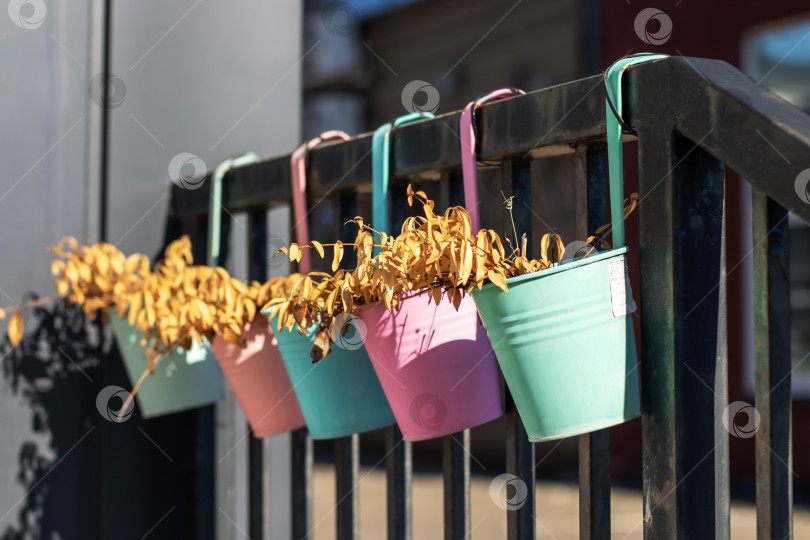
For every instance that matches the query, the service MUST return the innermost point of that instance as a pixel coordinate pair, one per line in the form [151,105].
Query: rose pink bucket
[259,380]
[436,365]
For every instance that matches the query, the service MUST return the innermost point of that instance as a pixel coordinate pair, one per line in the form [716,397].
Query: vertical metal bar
[399,206]
[772,366]
[399,460]
[398,467]
[591,188]
[207,431]
[684,383]
[443,197]
[520,462]
[257,245]
[301,473]
[224,411]
[301,484]
[594,485]
[518,184]
[594,448]
[258,487]
[347,449]
[347,466]
[520,522]
[456,468]
[348,208]
[455,189]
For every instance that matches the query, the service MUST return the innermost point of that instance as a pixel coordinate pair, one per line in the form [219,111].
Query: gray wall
[209,78]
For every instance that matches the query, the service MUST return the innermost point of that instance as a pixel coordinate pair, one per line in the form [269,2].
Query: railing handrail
[564,115]
[712,103]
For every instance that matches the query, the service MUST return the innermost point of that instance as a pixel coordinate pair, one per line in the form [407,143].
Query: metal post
[594,448]
[347,466]
[301,484]
[224,429]
[258,478]
[398,466]
[772,367]
[456,468]
[684,381]
[520,522]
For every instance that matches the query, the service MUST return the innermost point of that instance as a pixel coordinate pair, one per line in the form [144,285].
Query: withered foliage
[174,305]
[178,303]
[436,254]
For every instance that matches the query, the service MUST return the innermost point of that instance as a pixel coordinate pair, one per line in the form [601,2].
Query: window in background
[779,58]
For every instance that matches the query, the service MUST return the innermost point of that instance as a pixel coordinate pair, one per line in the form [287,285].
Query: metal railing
[691,117]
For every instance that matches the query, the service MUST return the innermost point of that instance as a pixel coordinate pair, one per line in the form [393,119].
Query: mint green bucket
[182,380]
[340,395]
[564,336]
[568,359]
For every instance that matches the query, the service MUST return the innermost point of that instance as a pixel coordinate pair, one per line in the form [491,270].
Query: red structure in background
[709,30]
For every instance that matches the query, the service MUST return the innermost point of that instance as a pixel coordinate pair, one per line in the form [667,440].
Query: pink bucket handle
[298,170]
[468,152]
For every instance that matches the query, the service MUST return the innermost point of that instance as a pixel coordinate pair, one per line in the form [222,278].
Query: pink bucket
[259,380]
[436,365]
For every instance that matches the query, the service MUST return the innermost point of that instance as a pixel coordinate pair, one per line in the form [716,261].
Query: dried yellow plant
[98,276]
[174,305]
[438,254]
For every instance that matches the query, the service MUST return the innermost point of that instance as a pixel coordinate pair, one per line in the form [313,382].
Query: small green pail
[340,395]
[568,359]
[182,380]
[564,336]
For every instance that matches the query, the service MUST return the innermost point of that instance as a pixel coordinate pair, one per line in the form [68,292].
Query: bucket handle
[380,169]
[298,173]
[215,204]
[469,151]
[613,108]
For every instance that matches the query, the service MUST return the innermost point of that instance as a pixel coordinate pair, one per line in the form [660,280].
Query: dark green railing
[692,117]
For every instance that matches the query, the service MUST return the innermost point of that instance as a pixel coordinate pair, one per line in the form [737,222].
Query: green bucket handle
[613,87]
[215,205]
[380,168]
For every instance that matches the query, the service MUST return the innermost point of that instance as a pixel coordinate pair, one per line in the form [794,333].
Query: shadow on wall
[52,372]
[84,476]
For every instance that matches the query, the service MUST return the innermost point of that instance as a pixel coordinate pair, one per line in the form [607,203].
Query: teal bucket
[182,380]
[341,394]
[564,340]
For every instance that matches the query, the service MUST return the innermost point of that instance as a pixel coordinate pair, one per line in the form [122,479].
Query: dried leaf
[15,328]
[497,279]
[338,255]
[545,242]
[318,247]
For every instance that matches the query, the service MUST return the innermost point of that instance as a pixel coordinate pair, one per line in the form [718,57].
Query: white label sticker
[621,295]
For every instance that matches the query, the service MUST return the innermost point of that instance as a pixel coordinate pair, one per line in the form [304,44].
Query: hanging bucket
[256,374]
[435,364]
[182,379]
[259,380]
[564,336]
[340,395]
[567,355]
